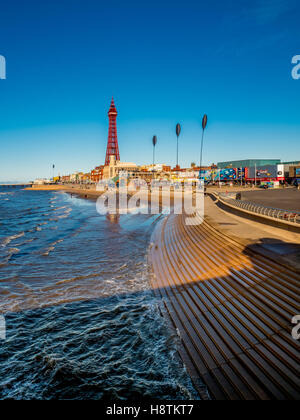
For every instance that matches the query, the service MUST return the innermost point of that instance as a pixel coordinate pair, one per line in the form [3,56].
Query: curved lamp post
[178,131]
[154,142]
[204,124]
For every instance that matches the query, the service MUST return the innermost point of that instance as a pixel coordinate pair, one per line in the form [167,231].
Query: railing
[269,212]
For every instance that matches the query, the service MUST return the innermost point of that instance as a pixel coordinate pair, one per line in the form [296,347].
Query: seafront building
[112,142]
[42,181]
[115,167]
[97,174]
[271,171]
[255,171]
[248,163]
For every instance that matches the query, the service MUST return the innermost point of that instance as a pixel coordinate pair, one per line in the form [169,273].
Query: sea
[81,320]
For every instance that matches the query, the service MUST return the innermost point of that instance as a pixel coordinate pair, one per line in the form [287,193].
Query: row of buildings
[260,170]
[113,165]
[235,172]
[131,170]
[253,170]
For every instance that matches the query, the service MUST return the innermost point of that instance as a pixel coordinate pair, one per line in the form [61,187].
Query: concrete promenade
[286,199]
[230,287]
[231,297]
[278,244]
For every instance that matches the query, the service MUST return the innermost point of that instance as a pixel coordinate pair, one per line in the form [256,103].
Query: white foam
[9,239]
[66,214]
[52,247]
[13,250]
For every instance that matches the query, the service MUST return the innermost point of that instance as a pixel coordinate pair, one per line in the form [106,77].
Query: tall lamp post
[154,142]
[178,131]
[204,124]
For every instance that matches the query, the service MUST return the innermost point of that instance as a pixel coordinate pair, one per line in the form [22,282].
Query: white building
[40,181]
[158,167]
[115,167]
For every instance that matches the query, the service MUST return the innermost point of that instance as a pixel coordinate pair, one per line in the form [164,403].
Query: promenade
[230,287]
[287,199]
[231,301]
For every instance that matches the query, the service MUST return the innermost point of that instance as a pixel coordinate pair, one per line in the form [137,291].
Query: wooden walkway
[232,309]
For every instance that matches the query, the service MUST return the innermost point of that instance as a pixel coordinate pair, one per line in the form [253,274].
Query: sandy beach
[75,189]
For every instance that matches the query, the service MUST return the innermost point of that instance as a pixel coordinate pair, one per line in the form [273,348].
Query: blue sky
[164,62]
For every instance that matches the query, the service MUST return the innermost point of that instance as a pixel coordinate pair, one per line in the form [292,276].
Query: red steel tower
[112,143]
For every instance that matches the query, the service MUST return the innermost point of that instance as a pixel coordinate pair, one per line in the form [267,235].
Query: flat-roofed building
[288,168]
[115,167]
[97,174]
[65,178]
[248,163]
[294,171]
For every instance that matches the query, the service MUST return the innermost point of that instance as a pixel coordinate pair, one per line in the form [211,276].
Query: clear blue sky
[164,62]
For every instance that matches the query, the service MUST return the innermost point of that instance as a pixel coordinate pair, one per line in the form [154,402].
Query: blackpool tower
[112,143]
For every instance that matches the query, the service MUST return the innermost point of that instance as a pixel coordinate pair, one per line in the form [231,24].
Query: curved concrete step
[232,309]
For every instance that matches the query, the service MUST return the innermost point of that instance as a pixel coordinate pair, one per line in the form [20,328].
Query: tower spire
[112,143]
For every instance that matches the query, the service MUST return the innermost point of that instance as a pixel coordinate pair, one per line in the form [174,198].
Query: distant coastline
[15,183]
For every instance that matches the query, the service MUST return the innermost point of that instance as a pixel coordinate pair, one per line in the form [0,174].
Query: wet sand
[91,193]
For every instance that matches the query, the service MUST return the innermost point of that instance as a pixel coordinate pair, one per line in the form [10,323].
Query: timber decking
[232,308]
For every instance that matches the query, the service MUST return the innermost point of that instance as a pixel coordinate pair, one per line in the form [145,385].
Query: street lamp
[204,124]
[154,142]
[178,131]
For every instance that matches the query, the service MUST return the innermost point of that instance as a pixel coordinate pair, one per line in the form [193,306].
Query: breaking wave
[11,238]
